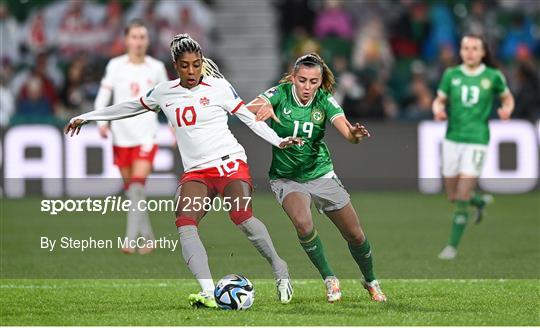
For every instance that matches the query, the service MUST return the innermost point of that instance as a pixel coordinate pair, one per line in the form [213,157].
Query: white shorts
[327,192]
[462,158]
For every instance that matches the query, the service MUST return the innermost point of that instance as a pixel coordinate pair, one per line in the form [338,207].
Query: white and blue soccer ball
[234,292]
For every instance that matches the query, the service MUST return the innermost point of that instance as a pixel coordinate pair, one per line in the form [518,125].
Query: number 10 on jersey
[182,116]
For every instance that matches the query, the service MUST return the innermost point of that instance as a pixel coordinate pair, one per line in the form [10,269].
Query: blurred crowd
[54,53]
[387,55]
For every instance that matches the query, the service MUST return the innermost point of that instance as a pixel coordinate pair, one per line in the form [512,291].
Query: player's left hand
[74,126]
[291,141]
[265,112]
[359,131]
[504,114]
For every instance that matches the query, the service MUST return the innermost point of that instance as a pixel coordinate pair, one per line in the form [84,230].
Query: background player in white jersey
[126,78]
[197,105]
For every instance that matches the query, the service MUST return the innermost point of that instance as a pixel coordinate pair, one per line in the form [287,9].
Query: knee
[303,227]
[355,237]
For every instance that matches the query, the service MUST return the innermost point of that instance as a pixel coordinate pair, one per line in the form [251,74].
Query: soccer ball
[234,292]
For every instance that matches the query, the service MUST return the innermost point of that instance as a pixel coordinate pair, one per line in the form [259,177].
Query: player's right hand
[104,131]
[74,126]
[440,115]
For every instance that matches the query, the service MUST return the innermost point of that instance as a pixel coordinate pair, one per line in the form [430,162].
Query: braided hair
[183,43]
[312,60]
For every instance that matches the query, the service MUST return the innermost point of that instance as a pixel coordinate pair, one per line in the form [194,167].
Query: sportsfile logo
[120,204]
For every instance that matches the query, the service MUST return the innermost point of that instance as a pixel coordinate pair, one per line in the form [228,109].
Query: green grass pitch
[494,280]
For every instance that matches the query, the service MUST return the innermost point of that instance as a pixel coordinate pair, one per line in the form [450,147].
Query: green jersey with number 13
[470,97]
[311,160]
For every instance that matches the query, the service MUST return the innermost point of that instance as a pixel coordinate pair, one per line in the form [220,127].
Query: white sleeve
[119,111]
[259,127]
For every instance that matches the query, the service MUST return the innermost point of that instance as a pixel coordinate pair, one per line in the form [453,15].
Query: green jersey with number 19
[470,96]
[311,160]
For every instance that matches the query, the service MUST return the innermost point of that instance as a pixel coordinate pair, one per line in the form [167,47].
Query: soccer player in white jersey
[126,78]
[197,105]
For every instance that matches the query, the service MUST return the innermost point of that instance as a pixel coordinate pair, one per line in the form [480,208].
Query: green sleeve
[499,83]
[444,86]
[332,108]
[274,95]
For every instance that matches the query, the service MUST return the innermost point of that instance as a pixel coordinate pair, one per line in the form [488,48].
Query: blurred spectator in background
[9,35]
[36,32]
[411,30]
[447,58]
[333,20]
[184,23]
[519,38]
[527,92]
[7,102]
[197,13]
[76,32]
[482,20]
[442,31]
[375,46]
[34,105]
[372,49]
[348,86]
[417,103]
[74,96]
[112,30]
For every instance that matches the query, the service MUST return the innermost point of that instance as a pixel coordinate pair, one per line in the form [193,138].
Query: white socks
[195,257]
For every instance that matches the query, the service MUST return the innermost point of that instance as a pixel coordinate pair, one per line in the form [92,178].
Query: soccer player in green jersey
[301,105]
[469,89]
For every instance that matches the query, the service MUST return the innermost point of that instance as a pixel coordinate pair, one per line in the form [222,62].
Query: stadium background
[388,57]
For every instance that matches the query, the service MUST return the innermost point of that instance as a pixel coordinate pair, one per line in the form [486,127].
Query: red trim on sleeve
[144,105]
[237,107]
[206,84]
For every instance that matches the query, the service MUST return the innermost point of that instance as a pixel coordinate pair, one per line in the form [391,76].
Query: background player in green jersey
[302,105]
[469,89]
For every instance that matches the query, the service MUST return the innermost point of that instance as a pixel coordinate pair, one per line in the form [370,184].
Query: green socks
[477,200]
[461,216]
[362,256]
[313,247]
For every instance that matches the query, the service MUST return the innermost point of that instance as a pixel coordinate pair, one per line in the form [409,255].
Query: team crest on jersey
[287,111]
[485,83]
[317,116]
[456,81]
[204,101]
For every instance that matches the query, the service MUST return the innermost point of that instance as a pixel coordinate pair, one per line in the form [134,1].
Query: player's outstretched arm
[507,106]
[354,133]
[263,130]
[115,112]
